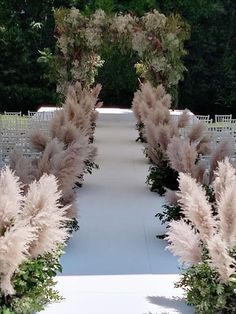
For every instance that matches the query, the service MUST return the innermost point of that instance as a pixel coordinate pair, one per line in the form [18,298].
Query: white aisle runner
[114,264]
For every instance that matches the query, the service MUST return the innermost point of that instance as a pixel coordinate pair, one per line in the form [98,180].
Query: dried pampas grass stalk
[197,132]
[224,149]
[195,206]
[171,197]
[10,198]
[227,214]
[184,242]
[182,155]
[38,140]
[183,120]
[225,176]
[220,258]
[42,208]
[14,245]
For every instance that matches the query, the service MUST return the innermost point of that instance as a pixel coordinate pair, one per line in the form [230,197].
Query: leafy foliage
[170,212]
[73,225]
[173,211]
[89,166]
[162,176]
[25,28]
[117,75]
[34,286]
[157,40]
[139,128]
[211,61]
[205,292]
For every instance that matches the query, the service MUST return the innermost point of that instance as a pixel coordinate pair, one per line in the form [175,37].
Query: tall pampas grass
[220,258]
[58,121]
[224,177]
[67,166]
[216,235]
[184,242]
[38,140]
[182,155]
[14,250]
[31,225]
[183,120]
[24,167]
[224,149]
[227,214]
[149,99]
[9,208]
[42,208]
[196,132]
[195,206]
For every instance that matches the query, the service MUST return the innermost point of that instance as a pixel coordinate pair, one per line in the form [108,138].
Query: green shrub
[22,97]
[162,176]
[205,292]
[170,212]
[34,286]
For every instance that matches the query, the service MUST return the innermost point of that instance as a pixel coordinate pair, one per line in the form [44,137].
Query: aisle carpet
[114,264]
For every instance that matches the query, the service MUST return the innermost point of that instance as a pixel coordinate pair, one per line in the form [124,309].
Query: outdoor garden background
[164,72]
[27,27]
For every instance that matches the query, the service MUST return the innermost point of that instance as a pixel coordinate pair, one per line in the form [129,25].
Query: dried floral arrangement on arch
[157,39]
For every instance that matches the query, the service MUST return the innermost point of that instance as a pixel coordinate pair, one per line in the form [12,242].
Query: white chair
[31,113]
[225,118]
[203,117]
[12,113]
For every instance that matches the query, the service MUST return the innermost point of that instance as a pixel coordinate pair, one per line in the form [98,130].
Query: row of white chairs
[15,129]
[227,118]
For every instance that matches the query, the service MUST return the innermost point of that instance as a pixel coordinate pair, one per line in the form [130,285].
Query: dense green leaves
[162,177]
[25,28]
[209,85]
[206,292]
[34,286]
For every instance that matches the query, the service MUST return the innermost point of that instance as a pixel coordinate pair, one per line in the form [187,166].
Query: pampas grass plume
[195,206]
[227,214]
[220,258]
[171,197]
[42,207]
[225,176]
[183,120]
[184,242]
[197,131]
[10,197]
[224,149]
[182,155]
[38,140]
[14,247]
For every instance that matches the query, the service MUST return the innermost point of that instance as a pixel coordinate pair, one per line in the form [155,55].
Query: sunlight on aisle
[115,264]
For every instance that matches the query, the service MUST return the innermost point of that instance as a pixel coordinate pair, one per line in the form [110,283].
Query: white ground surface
[114,264]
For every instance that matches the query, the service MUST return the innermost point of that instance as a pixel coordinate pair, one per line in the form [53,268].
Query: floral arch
[157,39]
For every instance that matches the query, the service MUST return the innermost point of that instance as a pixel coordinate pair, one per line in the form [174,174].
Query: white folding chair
[31,113]
[12,113]
[226,118]
[203,117]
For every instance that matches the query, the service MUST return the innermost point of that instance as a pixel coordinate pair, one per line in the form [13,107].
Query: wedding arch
[157,39]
